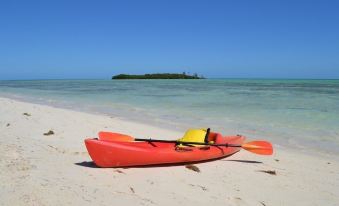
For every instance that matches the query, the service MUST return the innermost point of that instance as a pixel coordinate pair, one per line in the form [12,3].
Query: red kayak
[117,153]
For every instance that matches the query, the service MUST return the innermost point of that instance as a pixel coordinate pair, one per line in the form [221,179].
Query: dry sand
[36,169]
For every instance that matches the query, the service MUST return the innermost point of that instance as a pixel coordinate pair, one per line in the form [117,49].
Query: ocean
[301,114]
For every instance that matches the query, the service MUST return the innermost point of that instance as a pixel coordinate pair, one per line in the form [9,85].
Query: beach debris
[52,147]
[150,182]
[201,187]
[271,172]
[262,203]
[27,114]
[57,149]
[132,189]
[192,167]
[276,160]
[8,124]
[50,132]
[328,163]
[119,171]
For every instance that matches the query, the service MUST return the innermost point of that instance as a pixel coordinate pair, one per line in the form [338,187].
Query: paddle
[257,147]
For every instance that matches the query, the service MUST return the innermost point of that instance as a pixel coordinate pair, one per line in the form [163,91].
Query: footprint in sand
[15,160]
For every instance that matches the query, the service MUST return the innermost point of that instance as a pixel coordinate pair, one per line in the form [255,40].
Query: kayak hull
[127,154]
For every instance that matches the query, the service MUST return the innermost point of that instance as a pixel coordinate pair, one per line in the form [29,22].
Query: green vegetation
[158,76]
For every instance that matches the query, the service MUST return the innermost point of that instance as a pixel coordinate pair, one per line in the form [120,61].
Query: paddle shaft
[181,142]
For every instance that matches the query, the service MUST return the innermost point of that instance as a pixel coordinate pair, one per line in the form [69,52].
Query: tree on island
[158,76]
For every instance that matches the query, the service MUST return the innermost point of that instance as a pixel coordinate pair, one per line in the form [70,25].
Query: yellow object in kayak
[194,135]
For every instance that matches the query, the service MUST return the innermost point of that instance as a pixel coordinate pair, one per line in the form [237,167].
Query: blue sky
[230,38]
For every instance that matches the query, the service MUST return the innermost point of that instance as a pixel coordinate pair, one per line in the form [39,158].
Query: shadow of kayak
[89,164]
[245,161]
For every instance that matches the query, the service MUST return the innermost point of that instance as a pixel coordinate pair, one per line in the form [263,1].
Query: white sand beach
[36,169]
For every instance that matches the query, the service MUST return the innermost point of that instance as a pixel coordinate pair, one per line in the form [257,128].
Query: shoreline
[167,125]
[83,109]
[37,169]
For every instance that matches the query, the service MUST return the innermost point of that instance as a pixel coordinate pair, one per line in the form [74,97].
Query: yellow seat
[194,135]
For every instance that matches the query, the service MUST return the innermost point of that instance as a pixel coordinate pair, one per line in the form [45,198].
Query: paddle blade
[259,147]
[114,137]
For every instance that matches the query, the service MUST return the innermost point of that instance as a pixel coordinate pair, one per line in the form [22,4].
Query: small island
[158,76]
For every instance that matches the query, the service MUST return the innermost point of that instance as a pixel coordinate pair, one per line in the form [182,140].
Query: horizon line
[206,78]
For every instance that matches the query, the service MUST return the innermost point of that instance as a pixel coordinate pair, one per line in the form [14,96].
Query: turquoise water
[302,114]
